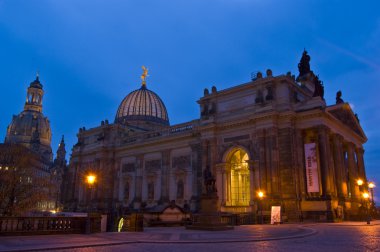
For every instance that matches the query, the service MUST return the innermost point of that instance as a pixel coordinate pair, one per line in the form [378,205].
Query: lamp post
[90,180]
[359,182]
[366,198]
[372,185]
[261,196]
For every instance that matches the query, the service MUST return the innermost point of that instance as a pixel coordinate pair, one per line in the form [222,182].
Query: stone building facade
[273,134]
[31,129]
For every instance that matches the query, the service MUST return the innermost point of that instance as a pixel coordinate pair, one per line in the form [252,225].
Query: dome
[142,105]
[22,127]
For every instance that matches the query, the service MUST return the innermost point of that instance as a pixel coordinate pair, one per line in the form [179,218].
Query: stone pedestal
[209,217]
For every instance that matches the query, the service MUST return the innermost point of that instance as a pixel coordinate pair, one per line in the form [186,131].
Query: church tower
[31,128]
[60,159]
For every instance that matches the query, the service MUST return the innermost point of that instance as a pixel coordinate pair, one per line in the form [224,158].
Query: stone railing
[48,225]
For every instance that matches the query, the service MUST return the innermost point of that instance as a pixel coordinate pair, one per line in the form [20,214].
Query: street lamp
[372,185]
[359,182]
[366,198]
[261,196]
[90,180]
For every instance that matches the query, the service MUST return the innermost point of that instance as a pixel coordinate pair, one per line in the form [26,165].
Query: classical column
[360,160]
[323,160]
[138,178]
[262,161]
[339,166]
[221,182]
[196,166]
[352,171]
[332,168]
[300,171]
[300,165]
[252,166]
[165,171]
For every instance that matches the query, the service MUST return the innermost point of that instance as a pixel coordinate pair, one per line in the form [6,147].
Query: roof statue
[319,88]
[304,65]
[144,75]
[339,97]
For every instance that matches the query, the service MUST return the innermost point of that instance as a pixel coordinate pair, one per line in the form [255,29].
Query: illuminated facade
[31,129]
[273,134]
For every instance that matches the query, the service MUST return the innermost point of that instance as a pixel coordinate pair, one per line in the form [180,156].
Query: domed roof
[24,124]
[142,105]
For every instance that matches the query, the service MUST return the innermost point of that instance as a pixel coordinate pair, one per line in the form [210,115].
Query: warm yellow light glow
[261,194]
[360,182]
[53,211]
[371,185]
[365,195]
[91,179]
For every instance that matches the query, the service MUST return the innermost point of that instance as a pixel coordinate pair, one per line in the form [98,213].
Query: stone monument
[209,217]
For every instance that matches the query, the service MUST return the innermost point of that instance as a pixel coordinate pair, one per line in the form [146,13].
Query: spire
[143,76]
[61,152]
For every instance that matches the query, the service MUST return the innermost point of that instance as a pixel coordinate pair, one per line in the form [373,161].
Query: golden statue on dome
[144,75]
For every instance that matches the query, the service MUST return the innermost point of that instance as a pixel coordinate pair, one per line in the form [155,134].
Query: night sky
[89,55]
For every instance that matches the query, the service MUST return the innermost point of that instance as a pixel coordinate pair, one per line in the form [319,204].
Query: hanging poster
[275,217]
[312,178]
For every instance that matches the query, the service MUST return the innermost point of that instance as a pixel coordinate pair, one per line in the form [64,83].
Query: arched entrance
[237,178]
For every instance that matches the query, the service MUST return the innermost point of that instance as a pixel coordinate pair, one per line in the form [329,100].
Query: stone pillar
[139,180]
[221,182]
[253,186]
[196,166]
[324,152]
[299,138]
[119,180]
[332,173]
[360,160]
[213,153]
[352,171]
[165,171]
[340,169]
[262,161]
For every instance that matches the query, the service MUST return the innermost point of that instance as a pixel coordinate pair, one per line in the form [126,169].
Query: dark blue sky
[90,52]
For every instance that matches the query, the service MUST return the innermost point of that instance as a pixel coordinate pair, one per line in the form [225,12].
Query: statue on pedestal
[209,181]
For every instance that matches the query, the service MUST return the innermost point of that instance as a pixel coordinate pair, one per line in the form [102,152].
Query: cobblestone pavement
[313,237]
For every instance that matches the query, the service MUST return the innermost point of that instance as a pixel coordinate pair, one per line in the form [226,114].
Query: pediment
[346,116]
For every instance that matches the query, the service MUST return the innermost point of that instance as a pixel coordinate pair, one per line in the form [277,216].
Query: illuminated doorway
[238,179]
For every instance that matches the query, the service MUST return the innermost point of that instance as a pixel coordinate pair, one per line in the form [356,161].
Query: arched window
[180,189]
[126,191]
[238,179]
[150,191]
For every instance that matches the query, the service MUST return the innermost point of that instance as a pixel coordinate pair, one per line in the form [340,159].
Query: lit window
[239,183]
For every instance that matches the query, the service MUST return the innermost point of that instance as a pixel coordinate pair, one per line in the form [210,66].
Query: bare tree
[24,180]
